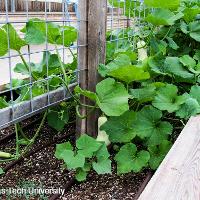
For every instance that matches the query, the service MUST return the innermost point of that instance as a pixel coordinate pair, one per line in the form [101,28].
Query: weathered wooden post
[93,16]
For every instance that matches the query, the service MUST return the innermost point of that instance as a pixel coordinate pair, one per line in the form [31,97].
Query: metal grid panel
[34,101]
[125,22]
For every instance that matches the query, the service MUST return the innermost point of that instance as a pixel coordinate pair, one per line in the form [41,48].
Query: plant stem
[72,53]
[22,132]
[8,160]
[61,64]
[17,141]
[26,65]
[36,134]
[84,116]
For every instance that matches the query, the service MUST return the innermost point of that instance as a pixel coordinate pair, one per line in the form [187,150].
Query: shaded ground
[45,171]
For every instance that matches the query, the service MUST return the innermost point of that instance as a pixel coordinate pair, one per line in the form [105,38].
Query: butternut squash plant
[146,101]
[46,76]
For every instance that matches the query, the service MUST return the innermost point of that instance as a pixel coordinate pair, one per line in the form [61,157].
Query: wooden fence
[33,6]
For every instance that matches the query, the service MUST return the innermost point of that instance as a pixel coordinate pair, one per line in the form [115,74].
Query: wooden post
[97,18]
[95,54]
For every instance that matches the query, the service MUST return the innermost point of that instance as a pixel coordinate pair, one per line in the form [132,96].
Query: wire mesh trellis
[22,95]
[124,22]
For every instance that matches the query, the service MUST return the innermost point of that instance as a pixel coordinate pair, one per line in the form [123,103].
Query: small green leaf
[1,171]
[141,159]
[190,108]
[73,161]
[81,175]
[167,99]
[158,153]
[112,97]
[3,103]
[195,93]
[129,74]
[194,30]
[61,147]
[120,129]
[87,146]
[102,153]
[148,124]
[188,61]
[144,94]
[22,69]
[91,95]
[172,44]
[102,166]
[3,42]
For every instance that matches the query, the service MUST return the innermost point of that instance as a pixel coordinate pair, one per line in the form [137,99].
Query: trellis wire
[19,111]
[123,17]
[120,17]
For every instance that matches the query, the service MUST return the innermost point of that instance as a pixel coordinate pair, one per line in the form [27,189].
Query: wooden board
[178,177]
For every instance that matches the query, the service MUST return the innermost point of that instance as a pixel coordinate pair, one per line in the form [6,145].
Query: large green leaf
[158,153]
[129,160]
[191,13]
[148,124]
[38,31]
[87,145]
[58,118]
[26,92]
[174,67]
[129,74]
[15,42]
[194,30]
[163,17]
[156,65]
[167,99]
[112,97]
[67,37]
[171,4]
[120,61]
[120,129]
[144,94]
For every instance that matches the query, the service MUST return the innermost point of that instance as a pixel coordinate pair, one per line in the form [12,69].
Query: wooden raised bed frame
[178,177]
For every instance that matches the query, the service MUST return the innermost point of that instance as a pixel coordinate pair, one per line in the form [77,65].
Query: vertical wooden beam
[94,34]
[97,18]
[82,59]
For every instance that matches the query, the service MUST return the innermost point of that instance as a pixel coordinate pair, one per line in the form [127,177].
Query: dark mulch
[44,170]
